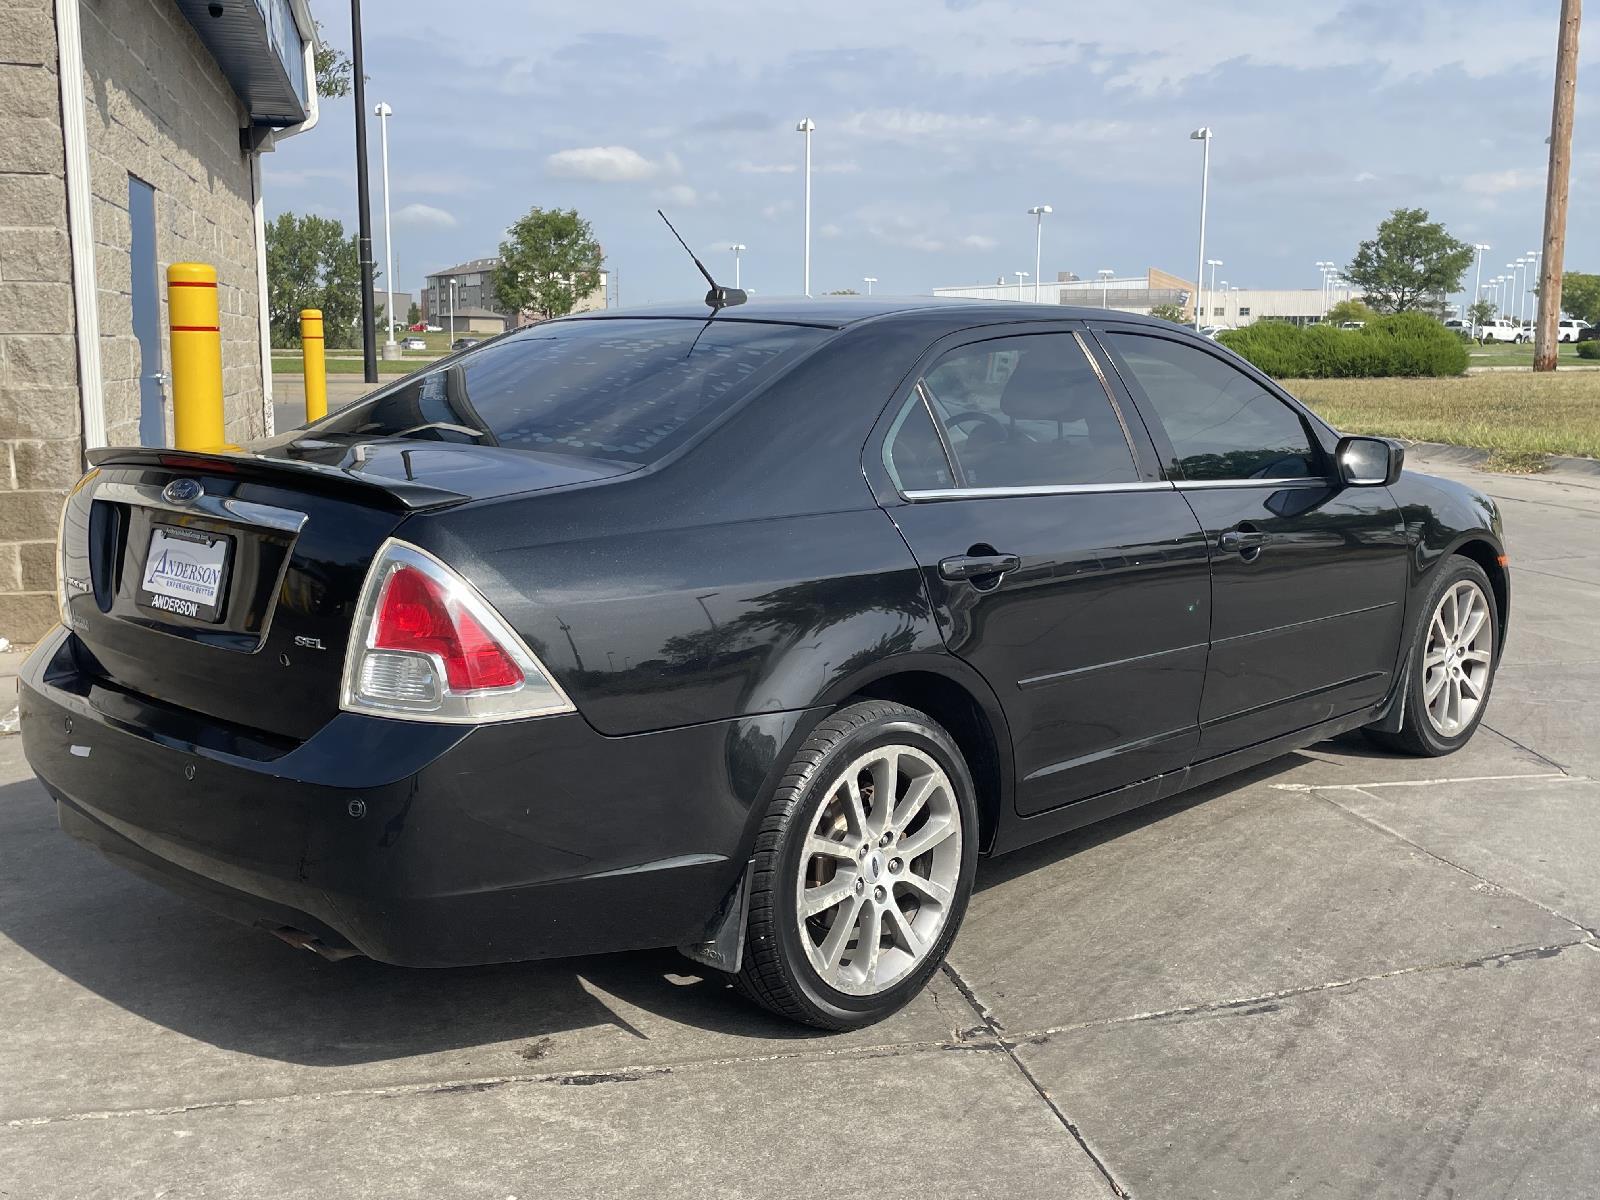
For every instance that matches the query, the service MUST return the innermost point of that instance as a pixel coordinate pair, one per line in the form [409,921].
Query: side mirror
[1369,461]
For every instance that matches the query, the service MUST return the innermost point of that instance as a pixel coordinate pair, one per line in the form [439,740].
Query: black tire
[1417,734]
[777,973]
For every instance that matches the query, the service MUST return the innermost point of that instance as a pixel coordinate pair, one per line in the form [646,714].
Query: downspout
[80,222]
[307,29]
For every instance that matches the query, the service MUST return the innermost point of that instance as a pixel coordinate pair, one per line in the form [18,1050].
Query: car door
[1060,565]
[1308,576]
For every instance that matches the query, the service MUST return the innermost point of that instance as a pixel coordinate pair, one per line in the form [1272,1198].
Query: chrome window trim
[219,508]
[1116,409]
[1293,481]
[1056,489]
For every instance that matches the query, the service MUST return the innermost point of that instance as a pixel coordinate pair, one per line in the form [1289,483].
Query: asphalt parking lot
[1344,974]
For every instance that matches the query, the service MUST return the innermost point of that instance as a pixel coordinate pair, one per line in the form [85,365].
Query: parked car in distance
[419,327]
[1570,329]
[1589,333]
[1211,331]
[1352,324]
[413,343]
[1458,326]
[745,631]
[1501,329]
[464,343]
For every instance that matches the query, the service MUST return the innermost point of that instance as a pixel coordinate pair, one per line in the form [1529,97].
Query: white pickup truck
[1502,329]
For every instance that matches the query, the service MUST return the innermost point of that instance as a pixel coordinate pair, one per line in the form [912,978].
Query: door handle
[977,566]
[1243,541]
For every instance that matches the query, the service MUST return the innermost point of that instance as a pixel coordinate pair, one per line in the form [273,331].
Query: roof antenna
[719,296]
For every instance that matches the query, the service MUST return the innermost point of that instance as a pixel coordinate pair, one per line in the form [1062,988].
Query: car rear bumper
[413,844]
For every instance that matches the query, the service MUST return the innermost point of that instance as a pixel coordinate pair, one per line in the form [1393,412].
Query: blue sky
[939,124]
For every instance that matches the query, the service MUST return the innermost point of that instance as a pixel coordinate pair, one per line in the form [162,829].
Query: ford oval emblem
[182,491]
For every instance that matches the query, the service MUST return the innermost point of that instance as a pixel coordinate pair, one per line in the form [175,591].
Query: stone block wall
[40,434]
[158,108]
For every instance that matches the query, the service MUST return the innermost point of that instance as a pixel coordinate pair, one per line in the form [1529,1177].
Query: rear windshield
[624,390]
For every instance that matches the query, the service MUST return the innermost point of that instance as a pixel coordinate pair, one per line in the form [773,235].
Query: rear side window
[1222,423]
[1028,412]
[629,391]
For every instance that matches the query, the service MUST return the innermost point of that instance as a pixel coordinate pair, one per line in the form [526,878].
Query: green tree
[1580,296]
[1410,263]
[1169,312]
[1481,313]
[548,261]
[312,263]
[333,69]
[1349,310]
[413,315]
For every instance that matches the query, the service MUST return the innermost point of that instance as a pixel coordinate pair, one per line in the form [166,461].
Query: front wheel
[863,867]
[1452,659]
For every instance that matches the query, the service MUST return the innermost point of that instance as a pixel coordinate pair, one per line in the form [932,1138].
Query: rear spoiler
[399,495]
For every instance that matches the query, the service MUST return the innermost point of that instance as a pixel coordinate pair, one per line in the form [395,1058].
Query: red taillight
[415,613]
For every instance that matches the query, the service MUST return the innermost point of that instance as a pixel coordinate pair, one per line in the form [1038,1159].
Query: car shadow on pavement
[178,965]
[995,871]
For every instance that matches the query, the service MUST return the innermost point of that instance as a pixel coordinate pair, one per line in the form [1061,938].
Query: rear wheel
[864,864]
[1453,659]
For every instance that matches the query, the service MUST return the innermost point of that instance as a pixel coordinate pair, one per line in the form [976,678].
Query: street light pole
[1037,212]
[452,313]
[369,347]
[1477,293]
[738,248]
[1021,275]
[390,348]
[1105,274]
[1533,287]
[869,280]
[1203,136]
[806,127]
[1213,263]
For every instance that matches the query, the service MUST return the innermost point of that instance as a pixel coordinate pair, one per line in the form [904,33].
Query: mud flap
[1393,715]
[724,951]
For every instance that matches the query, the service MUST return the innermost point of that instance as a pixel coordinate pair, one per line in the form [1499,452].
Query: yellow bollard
[316,364]
[196,332]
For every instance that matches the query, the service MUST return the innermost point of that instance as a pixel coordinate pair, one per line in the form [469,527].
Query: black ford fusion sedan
[744,631]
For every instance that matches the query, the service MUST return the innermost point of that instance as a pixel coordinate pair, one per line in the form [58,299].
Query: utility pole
[1555,198]
[369,341]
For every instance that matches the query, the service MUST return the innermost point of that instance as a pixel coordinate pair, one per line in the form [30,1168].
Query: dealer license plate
[186,572]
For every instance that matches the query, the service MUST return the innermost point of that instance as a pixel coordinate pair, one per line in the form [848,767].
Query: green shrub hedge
[1589,349]
[1404,344]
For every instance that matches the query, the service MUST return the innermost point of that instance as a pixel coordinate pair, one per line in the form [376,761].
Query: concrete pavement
[1343,974]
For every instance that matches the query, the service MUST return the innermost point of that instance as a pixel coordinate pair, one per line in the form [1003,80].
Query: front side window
[1028,412]
[1222,424]
[629,391]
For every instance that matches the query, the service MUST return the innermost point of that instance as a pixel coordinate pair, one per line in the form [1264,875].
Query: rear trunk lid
[225,584]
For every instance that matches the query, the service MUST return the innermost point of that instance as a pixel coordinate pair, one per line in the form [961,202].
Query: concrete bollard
[196,333]
[315,364]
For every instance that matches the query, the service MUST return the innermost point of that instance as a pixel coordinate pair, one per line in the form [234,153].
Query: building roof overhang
[262,49]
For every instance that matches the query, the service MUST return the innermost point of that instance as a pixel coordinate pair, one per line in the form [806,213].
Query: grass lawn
[1504,354]
[340,365]
[1519,417]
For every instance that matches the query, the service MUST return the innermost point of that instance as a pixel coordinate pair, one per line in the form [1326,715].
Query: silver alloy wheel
[1458,658]
[879,870]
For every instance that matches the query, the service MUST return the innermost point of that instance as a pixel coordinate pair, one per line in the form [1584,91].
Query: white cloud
[979,241]
[830,230]
[1498,183]
[438,183]
[425,216]
[920,126]
[845,167]
[681,195]
[603,164]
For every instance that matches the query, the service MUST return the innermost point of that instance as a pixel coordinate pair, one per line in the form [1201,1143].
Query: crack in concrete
[1527,749]
[588,1075]
[1265,1002]
[1009,1047]
[1378,826]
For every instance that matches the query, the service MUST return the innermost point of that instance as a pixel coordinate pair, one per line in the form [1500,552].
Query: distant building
[477,309]
[133,135]
[1133,293]
[1140,293]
